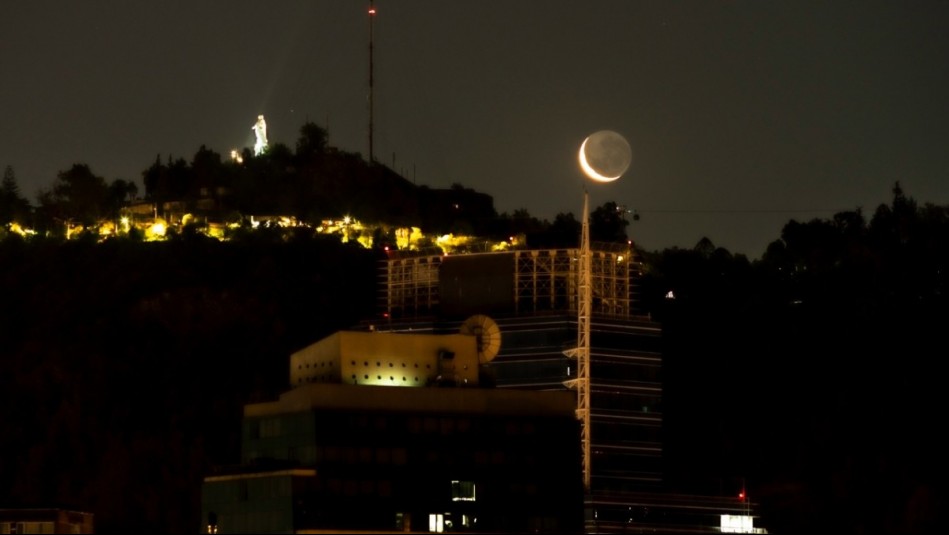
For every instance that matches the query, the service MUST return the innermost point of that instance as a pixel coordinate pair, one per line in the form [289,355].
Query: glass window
[436,523]
[462,491]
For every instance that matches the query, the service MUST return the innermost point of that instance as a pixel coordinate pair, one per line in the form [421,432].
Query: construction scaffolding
[410,286]
[613,273]
[544,280]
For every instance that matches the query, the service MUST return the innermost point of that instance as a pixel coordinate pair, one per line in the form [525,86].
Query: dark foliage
[126,365]
[312,183]
[812,374]
[13,206]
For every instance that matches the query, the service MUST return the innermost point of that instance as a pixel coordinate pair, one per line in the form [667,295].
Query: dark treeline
[125,365]
[812,373]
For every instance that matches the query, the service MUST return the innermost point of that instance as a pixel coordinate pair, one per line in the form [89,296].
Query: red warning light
[372,11]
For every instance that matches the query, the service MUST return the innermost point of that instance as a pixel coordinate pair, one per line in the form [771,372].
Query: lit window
[462,491]
[436,523]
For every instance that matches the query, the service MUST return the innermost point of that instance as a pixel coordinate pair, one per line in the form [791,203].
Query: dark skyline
[741,115]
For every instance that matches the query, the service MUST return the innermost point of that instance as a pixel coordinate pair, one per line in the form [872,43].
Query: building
[529,298]
[452,411]
[387,432]
[45,521]
[525,306]
[387,359]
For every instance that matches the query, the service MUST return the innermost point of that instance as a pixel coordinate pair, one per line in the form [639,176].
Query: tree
[170,181]
[563,232]
[522,222]
[155,180]
[120,193]
[608,223]
[78,194]
[13,206]
[892,225]
[704,247]
[312,141]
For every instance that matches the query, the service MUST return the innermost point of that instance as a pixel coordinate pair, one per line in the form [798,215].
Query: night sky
[742,115]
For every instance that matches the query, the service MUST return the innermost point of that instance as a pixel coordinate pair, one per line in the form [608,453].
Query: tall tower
[583,342]
[582,352]
[372,15]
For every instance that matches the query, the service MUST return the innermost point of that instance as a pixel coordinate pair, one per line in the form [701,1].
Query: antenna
[487,333]
[372,15]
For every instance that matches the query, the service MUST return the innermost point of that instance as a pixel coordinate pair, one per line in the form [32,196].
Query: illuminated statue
[260,130]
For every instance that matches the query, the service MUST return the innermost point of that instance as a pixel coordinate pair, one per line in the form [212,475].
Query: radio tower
[372,15]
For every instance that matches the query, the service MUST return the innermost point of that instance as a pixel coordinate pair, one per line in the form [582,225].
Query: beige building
[387,359]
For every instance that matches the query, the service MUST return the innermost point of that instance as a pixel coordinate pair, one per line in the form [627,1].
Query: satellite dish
[487,333]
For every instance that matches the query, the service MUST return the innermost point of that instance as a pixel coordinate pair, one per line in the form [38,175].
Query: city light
[156,231]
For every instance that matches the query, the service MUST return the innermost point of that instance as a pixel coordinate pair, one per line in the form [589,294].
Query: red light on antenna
[741,495]
[372,11]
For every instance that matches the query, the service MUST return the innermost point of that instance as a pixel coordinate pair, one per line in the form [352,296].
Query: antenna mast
[372,15]
[583,343]
[582,352]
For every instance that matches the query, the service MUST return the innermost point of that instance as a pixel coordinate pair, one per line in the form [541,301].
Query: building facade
[46,520]
[333,456]
[530,298]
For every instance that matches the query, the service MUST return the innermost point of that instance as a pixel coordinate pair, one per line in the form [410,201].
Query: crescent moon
[588,169]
